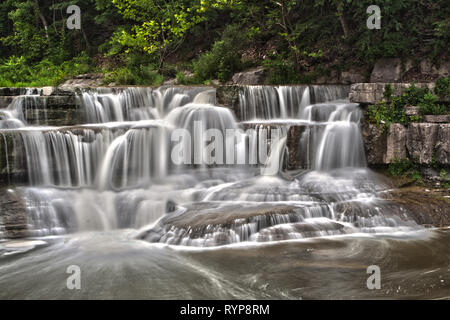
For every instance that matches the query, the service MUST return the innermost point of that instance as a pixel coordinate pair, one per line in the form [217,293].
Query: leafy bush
[404,167]
[442,88]
[225,57]
[182,78]
[428,105]
[393,111]
[385,114]
[16,73]
[143,75]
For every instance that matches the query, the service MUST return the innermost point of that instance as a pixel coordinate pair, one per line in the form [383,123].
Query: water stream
[110,196]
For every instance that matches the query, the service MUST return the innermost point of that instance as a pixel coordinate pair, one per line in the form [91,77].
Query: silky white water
[118,170]
[108,196]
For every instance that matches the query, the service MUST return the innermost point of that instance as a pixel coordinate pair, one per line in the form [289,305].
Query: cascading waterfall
[284,102]
[134,104]
[21,109]
[120,171]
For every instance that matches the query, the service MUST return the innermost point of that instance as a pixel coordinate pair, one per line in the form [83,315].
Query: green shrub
[182,78]
[16,73]
[428,105]
[442,88]
[385,114]
[393,111]
[225,57]
[143,75]
[404,167]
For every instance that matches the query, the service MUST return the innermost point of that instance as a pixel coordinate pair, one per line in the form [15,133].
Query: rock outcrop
[372,93]
[423,143]
[387,70]
[13,216]
[84,81]
[253,76]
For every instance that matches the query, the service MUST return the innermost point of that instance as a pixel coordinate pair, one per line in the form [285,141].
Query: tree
[162,25]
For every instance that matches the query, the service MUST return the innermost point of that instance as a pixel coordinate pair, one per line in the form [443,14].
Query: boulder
[252,76]
[349,77]
[421,140]
[5,101]
[443,144]
[387,70]
[170,82]
[443,118]
[427,67]
[411,110]
[372,93]
[396,143]
[47,91]
[84,81]
[374,139]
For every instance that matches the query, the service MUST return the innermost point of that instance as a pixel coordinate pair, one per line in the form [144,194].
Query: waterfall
[134,104]
[283,102]
[171,160]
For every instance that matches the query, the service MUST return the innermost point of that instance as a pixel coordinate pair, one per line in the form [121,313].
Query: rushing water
[110,197]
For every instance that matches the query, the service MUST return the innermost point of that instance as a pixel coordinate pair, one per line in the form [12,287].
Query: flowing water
[111,197]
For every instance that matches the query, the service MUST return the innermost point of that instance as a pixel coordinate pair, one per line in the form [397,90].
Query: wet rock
[443,144]
[396,143]
[426,208]
[209,224]
[375,143]
[228,96]
[253,76]
[13,216]
[298,158]
[421,140]
[12,91]
[5,101]
[12,158]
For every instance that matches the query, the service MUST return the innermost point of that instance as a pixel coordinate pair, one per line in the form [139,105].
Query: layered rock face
[424,143]
[13,216]
[44,106]
[372,93]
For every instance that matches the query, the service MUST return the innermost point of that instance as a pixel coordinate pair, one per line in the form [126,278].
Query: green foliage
[128,75]
[182,78]
[428,105]
[388,92]
[393,111]
[443,174]
[385,114]
[404,168]
[442,88]
[15,72]
[161,25]
[217,38]
[224,58]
